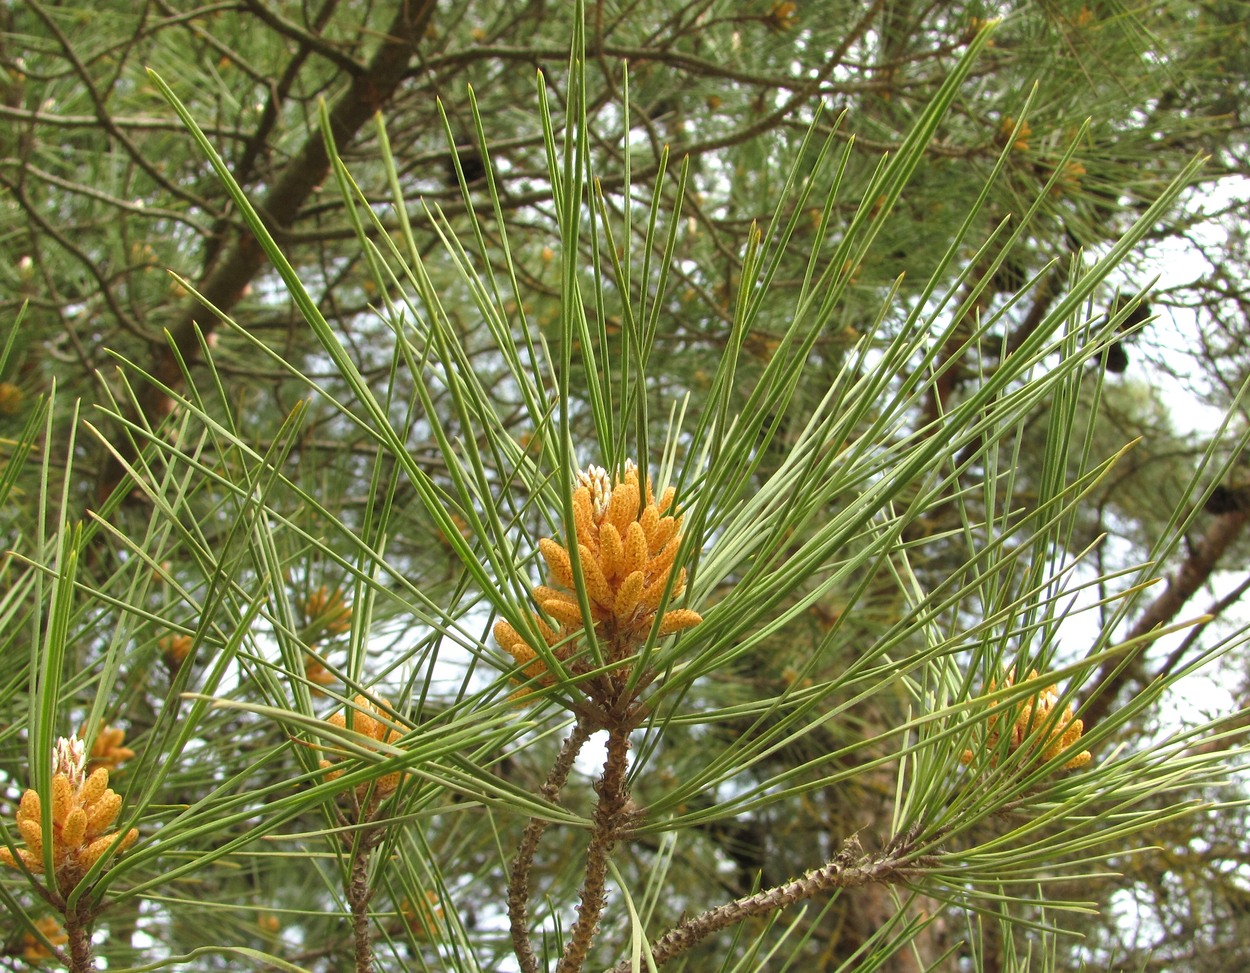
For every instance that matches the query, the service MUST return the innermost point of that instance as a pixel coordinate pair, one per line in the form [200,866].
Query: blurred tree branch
[1118,676]
[227,276]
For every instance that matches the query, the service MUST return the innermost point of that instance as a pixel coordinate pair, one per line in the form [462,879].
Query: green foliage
[844,280]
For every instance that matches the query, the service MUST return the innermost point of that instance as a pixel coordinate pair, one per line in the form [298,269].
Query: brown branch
[78,929]
[1117,675]
[358,896]
[104,287]
[518,877]
[938,398]
[612,812]
[1214,611]
[849,869]
[936,401]
[102,117]
[279,91]
[30,171]
[226,281]
[1044,295]
[257,144]
[32,117]
[310,40]
[1229,733]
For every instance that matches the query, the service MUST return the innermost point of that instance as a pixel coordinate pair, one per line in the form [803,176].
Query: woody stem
[358,896]
[518,879]
[78,929]
[898,862]
[611,813]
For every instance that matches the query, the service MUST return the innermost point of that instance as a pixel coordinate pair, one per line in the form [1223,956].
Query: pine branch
[850,868]
[358,895]
[612,811]
[518,879]
[78,923]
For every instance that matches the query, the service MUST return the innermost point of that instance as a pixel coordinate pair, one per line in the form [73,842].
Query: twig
[518,878]
[358,896]
[849,869]
[611,814]
[78,929]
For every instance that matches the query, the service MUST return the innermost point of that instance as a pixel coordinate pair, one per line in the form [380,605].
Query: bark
[359,894]
[519,879]
[78,930]
[611,811]
[851,868]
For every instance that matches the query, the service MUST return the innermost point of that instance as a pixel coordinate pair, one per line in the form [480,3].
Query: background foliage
[889,393]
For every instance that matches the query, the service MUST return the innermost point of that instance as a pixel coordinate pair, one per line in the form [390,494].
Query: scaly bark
[519,875]
[611,817]
[849,869]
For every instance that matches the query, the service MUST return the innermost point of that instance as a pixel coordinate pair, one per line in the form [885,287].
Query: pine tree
[649,506]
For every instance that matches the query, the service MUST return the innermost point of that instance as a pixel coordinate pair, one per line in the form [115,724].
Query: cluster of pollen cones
[84,809]
[627,543]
